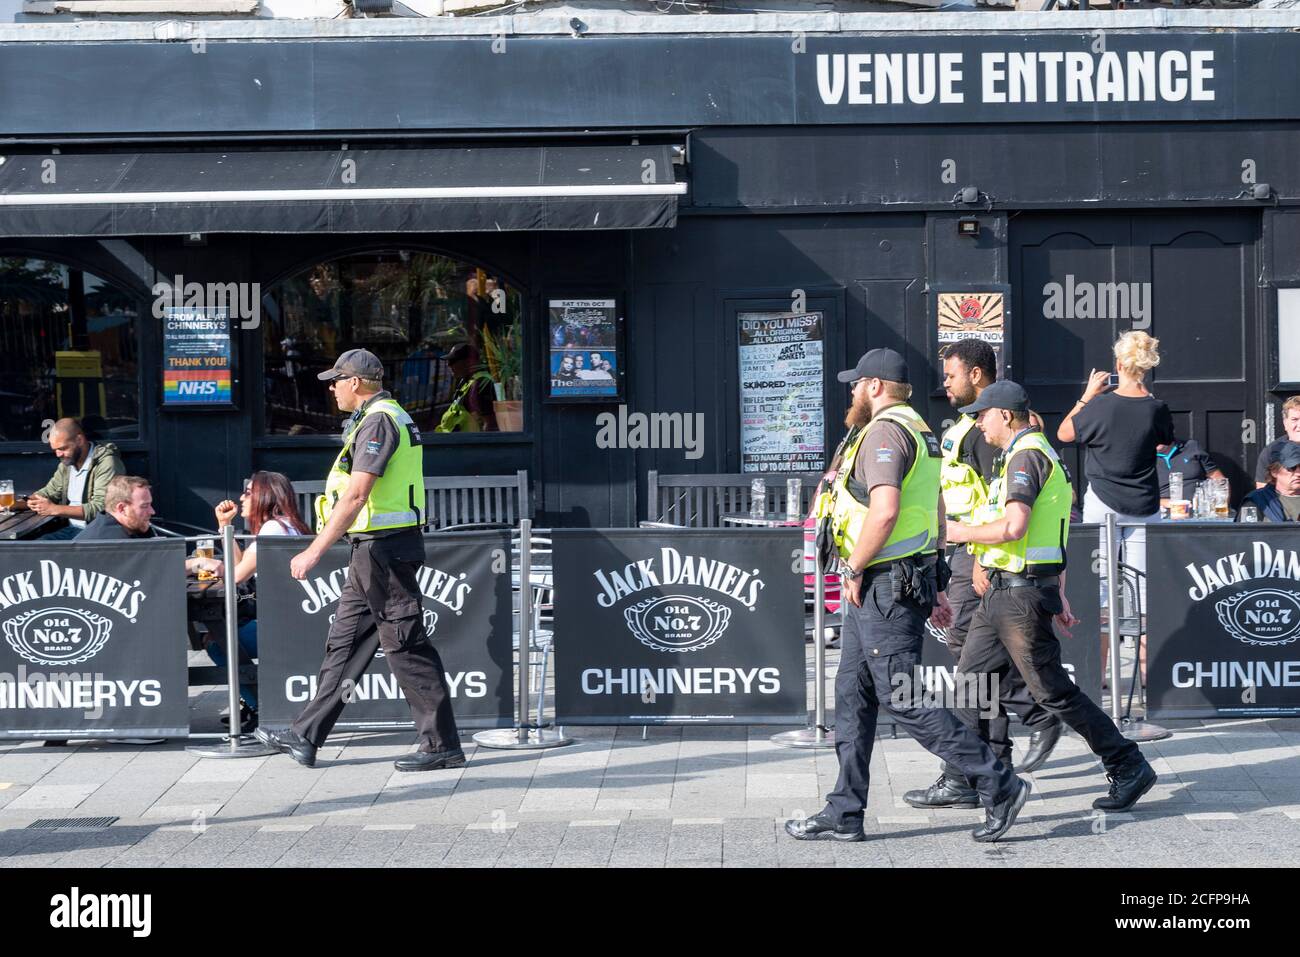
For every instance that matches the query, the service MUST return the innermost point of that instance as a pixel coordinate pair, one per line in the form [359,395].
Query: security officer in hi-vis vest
[969,463]
[1019,538]
[374,495]
[884,514]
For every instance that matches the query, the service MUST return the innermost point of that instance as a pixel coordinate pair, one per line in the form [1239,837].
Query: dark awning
[344,191]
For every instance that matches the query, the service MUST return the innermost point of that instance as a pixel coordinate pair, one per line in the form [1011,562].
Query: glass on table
[1249,513]
[205,548]
[1220,492]
[758,498]
[6,494]
[793,487]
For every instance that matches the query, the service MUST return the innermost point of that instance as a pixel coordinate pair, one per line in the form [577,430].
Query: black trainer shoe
[999,818]
[1126,786]
[297,747]
[945,792]
[430,760]
[1041,745]
[818,828]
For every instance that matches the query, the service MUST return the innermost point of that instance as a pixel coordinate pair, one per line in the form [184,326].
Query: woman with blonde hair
[1120,428]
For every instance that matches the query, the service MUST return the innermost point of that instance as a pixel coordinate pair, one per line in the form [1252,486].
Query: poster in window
[197,358]
[971,315]
[781,395]
[583,357]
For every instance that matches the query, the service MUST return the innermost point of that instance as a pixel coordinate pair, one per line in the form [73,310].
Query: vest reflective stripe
[1049,520]
[964,489]
[397,495]
[917,527]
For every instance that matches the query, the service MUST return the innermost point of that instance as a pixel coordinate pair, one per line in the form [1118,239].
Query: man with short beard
[969,465]
[886,520]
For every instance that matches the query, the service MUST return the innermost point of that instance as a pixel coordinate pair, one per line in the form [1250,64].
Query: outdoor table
[205,604]
[26,525]
[770,520]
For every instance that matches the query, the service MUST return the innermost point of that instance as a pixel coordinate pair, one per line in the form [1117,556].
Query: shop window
[448,333]
[68,347]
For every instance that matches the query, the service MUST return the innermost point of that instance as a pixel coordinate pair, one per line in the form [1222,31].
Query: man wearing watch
[1020,538]
[886,520]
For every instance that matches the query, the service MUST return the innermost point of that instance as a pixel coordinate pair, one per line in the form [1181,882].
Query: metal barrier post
[239,745]
[817,736]
[523,736]
[1131,729]
[1112,610]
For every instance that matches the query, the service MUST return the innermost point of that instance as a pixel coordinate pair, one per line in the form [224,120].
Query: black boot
[999,818]
[820,828]
[1127,784]
[1041,744]
[948,791]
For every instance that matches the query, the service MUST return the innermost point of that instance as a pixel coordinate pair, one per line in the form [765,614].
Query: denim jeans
[248,651]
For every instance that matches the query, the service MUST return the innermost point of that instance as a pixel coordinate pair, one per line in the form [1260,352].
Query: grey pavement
[1228,795]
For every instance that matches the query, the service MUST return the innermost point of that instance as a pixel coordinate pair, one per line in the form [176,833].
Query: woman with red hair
[268,507]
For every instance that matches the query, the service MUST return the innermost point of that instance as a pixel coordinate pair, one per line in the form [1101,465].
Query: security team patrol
[969,466]
[884,514]
[1019,538]
[374,495]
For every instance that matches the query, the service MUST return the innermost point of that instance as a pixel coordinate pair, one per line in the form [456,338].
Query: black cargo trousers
[380,607]
[1013,694]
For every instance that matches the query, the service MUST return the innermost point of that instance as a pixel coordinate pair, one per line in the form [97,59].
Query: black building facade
[1132,178]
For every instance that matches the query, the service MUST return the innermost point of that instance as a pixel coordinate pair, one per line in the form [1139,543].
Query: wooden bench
[451,501]
[700,501]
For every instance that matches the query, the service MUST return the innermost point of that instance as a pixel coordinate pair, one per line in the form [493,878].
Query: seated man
[128,506]
[1187,457]
[76,491]
[1291,429]
[1280,500]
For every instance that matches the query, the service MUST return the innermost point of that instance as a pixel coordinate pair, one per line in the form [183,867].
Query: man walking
[374,495]
[968,468]
[886,519]
[1020,541]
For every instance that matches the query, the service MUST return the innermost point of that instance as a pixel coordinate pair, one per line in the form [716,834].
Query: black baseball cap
[1288,456]
[1000,395]
[358,362]
[877,364]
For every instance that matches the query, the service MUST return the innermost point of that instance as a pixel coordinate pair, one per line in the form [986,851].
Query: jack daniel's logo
[672,568]
[56,629]
[446,588]
[1268,615]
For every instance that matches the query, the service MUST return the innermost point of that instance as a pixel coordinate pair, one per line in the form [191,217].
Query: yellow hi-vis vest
[917,528]
[964,489]
[1049,520]
[397,497]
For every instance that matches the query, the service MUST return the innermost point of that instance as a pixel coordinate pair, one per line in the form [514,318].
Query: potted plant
[503,367]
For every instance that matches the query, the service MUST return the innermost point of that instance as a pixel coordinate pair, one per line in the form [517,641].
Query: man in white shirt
[76,490]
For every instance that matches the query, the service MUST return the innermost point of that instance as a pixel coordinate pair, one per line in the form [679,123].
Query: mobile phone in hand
[1112,381]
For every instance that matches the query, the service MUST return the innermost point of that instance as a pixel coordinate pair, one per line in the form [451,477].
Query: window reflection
[447,332]
[67,348]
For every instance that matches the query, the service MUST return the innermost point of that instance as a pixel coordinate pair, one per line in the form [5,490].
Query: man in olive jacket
[76,490]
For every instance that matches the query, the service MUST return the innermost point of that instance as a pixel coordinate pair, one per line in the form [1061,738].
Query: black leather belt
[1000,579]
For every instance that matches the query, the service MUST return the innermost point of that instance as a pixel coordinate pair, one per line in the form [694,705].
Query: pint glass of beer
[6,494]
[205,548]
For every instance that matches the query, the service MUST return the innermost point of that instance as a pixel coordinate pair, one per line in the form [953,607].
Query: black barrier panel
[675,627]
[1223,619]
[467,614]
[94,640]
[1080,652]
